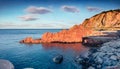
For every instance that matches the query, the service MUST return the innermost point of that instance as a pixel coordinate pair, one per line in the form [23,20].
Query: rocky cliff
[74,34]
[105,20]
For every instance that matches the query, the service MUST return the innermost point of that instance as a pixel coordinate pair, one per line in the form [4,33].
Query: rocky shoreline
[109,55]
[106,57]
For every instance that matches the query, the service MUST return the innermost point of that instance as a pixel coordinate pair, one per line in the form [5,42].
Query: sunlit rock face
[30,40]
[74,34]
[105,20]
[5,64]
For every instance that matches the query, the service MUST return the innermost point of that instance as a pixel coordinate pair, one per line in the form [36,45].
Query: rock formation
[105,20]
[29,40]
[74,34]
[105,57]
[58,59]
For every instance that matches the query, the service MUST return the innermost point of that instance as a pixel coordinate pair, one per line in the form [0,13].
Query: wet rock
[108,55]
[84,61]
[28,68]
[79,60]
[91,67]
[5,64]
[58,59]
[113,57]
[113,67]
[99,60]
[99,66]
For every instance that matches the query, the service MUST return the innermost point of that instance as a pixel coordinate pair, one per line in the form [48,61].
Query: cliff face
[104,20]
[108,19]
[74,34]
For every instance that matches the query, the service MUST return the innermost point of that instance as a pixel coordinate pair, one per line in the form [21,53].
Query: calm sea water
[37,56]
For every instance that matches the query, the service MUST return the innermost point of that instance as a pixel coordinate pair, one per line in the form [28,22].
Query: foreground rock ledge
[107,20]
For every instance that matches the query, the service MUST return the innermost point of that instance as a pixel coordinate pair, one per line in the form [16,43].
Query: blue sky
[49,14]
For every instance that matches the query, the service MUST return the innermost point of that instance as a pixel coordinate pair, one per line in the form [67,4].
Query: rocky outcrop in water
[105,20]
[74,34]
[30,40]
[58,59]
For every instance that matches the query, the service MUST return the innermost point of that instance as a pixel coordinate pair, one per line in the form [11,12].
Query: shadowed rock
[58,59]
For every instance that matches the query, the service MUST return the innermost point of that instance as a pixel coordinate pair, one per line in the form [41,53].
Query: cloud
[28,17]
[13,25]
[27,25]
[93,9]
[38,10]
[71,9]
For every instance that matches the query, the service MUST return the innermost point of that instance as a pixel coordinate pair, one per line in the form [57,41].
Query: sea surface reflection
[78,48]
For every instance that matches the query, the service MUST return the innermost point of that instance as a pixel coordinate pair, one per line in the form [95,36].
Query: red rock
[29,40]
[74,34]
[104,20]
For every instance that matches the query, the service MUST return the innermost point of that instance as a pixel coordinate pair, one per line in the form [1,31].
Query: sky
[50,14]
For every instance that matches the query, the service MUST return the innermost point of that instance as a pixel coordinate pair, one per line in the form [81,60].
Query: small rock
[99,60]
[5,64]
[91,67]
[58,59]
[28,68]
[112,67]
[99,66]
[118,55]
[113,57]
[78,60]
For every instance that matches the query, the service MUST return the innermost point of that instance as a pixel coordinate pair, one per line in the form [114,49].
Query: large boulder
[58,59]
[5,64]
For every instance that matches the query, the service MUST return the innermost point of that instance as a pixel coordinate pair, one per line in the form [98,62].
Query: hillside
[107,20]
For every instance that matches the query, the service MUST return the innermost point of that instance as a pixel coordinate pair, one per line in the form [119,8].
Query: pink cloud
[28,17]
[93,9]
[71,9]
[37,10]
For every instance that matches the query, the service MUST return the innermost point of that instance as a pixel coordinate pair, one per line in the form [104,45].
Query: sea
[38,56]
